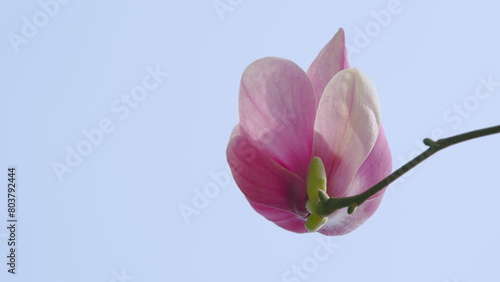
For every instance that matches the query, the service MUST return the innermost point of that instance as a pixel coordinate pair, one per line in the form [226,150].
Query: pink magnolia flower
[288,116]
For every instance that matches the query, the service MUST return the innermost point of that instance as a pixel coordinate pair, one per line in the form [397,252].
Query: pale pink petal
[262,180]
[346,128]
[277,107]
[330,60]
[341,223]
[376,167]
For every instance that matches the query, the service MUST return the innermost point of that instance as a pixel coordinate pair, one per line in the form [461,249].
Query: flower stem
[326,208]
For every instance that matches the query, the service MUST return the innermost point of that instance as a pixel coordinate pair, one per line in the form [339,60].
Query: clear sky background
[68,69]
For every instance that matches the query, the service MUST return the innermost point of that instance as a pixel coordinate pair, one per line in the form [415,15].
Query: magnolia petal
[262,180]
[376,167]
[287,220]
[277,107]
[330,60]
[341,223]
[346,128]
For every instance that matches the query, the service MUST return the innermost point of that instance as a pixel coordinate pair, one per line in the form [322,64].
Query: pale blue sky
[159,81]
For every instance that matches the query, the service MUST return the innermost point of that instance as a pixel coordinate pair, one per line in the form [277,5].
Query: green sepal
[316,179]
[315,222]
[316,192]
[316,182]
